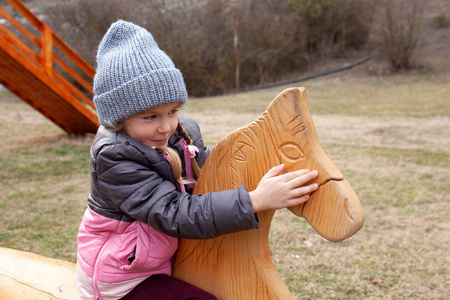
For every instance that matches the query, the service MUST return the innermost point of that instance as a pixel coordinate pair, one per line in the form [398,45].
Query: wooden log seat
[25,275]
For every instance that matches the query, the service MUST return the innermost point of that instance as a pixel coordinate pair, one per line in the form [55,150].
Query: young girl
[144,161]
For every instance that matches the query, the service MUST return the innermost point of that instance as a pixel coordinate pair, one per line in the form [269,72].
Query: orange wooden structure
[53,79]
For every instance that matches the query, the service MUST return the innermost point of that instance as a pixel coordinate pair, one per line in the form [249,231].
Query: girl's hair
[172,154]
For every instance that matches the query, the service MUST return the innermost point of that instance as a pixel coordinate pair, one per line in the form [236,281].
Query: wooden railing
[47,59]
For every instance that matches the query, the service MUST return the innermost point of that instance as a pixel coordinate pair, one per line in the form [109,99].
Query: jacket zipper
[97,270]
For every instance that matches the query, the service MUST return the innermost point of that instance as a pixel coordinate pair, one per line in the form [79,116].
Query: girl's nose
[164,126]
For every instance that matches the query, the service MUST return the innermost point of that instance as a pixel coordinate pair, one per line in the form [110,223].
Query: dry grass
[389,136]
[44,181]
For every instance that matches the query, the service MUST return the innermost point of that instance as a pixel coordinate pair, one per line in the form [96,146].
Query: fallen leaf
[376,281]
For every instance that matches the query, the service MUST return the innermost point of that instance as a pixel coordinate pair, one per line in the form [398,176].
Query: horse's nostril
[347,211]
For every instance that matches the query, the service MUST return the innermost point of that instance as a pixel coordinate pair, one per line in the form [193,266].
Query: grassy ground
[389,135]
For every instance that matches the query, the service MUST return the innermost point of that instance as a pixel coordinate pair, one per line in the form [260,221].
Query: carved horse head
[239,265]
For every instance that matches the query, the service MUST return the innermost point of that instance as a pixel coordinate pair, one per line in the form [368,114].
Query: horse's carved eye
[291,151]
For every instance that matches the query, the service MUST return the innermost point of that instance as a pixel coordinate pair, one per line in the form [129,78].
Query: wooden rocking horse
[234,266]
[239,265]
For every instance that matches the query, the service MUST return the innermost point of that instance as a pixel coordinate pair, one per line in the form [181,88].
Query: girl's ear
[118,126]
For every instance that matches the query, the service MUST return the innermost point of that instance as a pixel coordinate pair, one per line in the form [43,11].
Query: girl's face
[155,126]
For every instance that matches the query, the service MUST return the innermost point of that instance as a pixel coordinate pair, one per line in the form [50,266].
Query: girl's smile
[155,126]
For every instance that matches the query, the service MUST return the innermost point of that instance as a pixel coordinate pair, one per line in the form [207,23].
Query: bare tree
[399,24]
[276,40]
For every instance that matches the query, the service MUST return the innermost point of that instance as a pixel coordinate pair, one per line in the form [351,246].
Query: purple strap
[187,161]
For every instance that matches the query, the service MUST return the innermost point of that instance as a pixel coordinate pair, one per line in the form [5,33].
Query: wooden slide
[53,79]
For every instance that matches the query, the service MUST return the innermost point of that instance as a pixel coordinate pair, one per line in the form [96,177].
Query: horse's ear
[291,102]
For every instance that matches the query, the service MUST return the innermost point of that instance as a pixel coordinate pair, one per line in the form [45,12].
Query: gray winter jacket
[131,181]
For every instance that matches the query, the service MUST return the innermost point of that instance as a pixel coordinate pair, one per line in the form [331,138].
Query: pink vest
[105,248]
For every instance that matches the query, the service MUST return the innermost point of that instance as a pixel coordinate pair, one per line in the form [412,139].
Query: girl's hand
[280,191]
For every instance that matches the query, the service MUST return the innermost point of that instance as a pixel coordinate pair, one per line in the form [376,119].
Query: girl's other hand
[280,191]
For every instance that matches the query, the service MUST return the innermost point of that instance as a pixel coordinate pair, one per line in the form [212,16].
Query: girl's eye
[173,112]
[150,117]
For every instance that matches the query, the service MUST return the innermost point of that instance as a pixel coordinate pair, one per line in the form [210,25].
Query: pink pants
[166,287]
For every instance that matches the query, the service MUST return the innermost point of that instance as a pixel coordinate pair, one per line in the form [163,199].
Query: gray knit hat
[133,74]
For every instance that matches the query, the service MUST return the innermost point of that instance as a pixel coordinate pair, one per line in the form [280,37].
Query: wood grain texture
[239,265]
[24,275]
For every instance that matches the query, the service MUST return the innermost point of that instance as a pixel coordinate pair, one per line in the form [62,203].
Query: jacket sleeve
[143,194]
